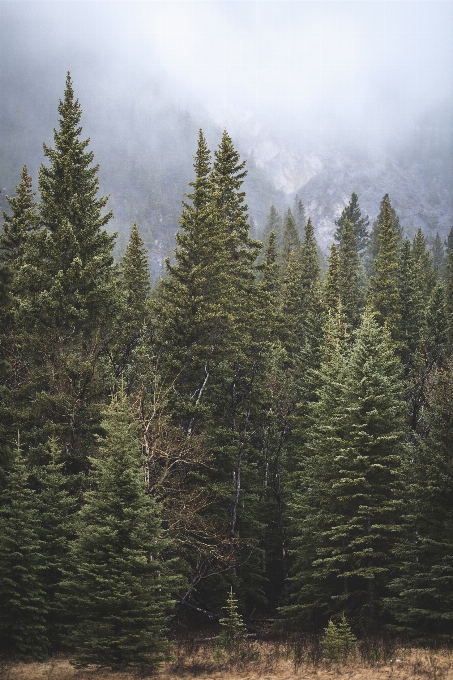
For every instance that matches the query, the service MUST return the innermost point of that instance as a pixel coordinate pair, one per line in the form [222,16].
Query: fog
[359,68]
[360,74]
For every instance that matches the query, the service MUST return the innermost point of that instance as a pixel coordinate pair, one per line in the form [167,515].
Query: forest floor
[260,661]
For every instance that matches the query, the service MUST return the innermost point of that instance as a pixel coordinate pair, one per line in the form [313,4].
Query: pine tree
[134,318]
[422,599]
[118,590]
[23,605]
[423,261]
[68,300]
[291,240]
[449,242]
[348,504]
[17,226]
[383,294]
[5,300]
[332,282]
[349,275]
[311,271]
[211,348]
[234,630]
[273,223]
[438,255]
[386,213]
[57,510]
[299,216]
[360,224]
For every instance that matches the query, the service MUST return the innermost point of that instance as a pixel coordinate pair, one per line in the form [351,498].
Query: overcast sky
[358,65]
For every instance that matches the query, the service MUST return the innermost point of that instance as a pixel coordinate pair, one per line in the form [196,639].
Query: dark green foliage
[386,214]
[134,318]
[423,601]
[23,605]
[449,243]
[311,270]
[383,293]
[17,226]
[56,508]
[348,502]
[233,627]
[438,255]
[360,224]
[64,321]
[338,641]
[351,293]
[332,282]
[291,241]
[299,216]
[5,301]
[273,223]
[118,590]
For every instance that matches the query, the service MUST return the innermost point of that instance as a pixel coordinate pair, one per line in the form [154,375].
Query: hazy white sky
[294,63]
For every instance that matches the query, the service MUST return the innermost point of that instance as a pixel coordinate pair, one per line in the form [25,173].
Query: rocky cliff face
[416,170]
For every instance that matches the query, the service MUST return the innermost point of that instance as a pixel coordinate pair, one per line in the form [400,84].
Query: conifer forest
[263,433]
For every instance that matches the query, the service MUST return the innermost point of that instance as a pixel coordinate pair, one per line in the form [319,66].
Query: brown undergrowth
[259,661]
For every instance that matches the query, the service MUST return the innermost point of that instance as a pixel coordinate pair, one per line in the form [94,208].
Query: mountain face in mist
[144,142]
[415,170]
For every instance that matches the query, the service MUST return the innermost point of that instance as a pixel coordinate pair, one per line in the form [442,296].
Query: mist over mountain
[145,94]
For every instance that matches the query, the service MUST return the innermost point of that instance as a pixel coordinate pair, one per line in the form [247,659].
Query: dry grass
[256,661]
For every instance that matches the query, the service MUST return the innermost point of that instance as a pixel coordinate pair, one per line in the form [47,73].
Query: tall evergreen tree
[422,599]
[291,240]
[383,293]
[56,508]
[273,223]
[386,213]
[118,588]
[332,282]
[360,224]
[68,299]
[349,275]
[299,215]
[438,255]
[17,226]
[348,505]
[5,299]
[311,270]
[134,318]
[23,605]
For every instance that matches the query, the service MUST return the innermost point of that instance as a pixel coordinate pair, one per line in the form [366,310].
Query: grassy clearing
[256,661]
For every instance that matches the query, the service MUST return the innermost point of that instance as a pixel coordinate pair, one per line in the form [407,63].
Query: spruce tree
[360,224]
[422,599]
[23,605]
[299,215]
[311,270]
[438,255]
[68,300]
[386,213]
[17,226]
[133,324]
[57,508]
[5,300]
[348,504]
[332,282]
[349,275]
[118,589]
[291,240]
[273,223]
[383,294]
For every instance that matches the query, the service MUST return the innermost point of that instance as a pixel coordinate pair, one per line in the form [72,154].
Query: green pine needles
[234,631]
[338,641]
[118,587]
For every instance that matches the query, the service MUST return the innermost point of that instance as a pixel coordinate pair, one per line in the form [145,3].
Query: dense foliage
[246,425]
